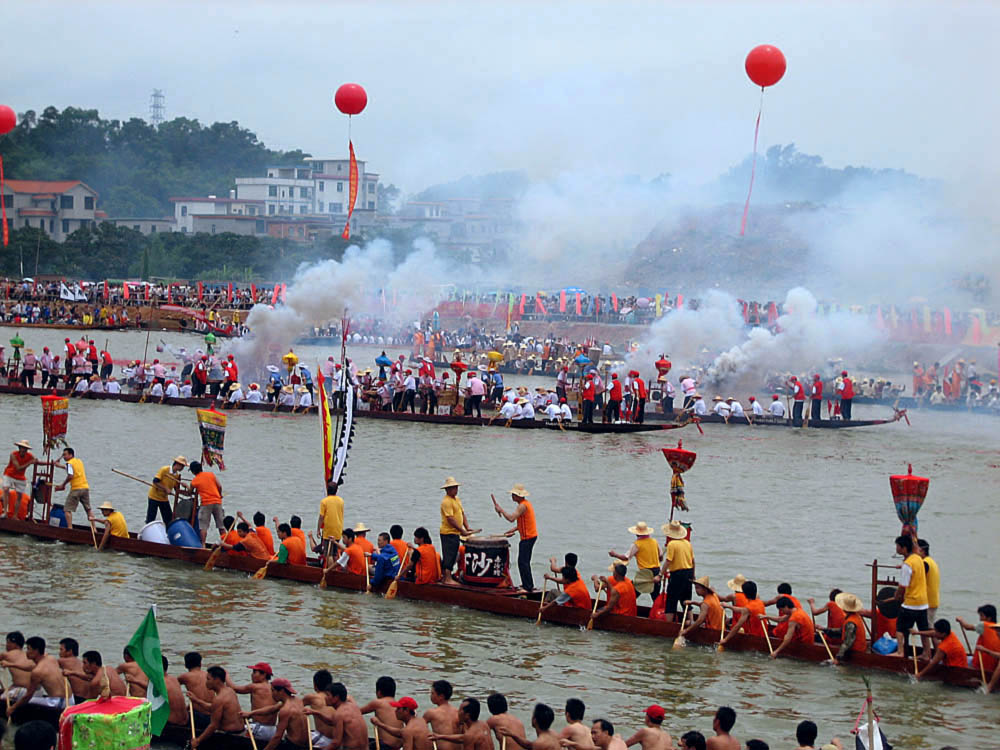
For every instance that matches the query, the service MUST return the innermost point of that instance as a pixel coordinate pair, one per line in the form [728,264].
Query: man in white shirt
[82,386]
[157,390]
[410,394]
[565,411]
[776,409]
[552,413]
[518,410]
[171,391]
[755,407]
[699,405]
[667,397]
[186,389]
[287,396]
[689,390]
[305,398]
[96,384]
[112,386]
[236,394]
[721,407]
[508,410]
[561,382]
[735,407]
[254,396]
[527,410]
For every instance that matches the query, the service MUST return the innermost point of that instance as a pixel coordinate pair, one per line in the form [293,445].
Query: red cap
[444,375]
[156,361]
[590,376]
[752,399]
[843,373]
[230,356]
[262,666]
[774,396]
[816,376]
[337,365]
[614,376]
[655,712]
[562,401]
[405,702]
[794,378]
[283,684]
[409,372]
[65,339]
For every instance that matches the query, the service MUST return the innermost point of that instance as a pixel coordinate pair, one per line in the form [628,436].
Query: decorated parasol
[55,421]
[494,356]
[291,359]
[663,366]
[908,493]
[212,426]
[680,460]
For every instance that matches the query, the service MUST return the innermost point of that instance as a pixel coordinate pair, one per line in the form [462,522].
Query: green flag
[145,649]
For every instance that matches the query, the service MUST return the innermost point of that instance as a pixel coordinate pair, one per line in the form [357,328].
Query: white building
[186,208]
[332,180]
[285,191]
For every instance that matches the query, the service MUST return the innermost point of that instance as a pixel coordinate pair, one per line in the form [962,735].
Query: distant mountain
[509,184]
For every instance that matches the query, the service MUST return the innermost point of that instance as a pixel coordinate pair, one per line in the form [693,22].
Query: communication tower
[156,107]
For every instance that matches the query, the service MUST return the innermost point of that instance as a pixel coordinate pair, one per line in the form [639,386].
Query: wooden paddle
[262,570]
[391,592]
[210,563]
[246,723]
[541,602]
[191,712]
[680,641]
[821,636]
[722,634]
[916,666]
[368,585]
[982,669]
[597,599]
[767,636]
[309,733]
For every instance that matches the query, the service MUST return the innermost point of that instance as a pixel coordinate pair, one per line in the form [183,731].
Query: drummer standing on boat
[167,479]
[679,563]
[524,517]
[454,524]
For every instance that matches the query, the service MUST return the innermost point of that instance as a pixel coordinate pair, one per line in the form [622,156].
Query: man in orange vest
[852,632]
[588,399]
[846,392]
[949,652]
[640,393]
[799,400]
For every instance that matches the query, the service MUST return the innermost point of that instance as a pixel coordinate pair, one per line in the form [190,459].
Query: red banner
[614,302]
[170,293]
[539,307]
[199,291]
[107,292]
[579,304]
[284,288]
[146,287]
[520,308]
[947,321]
[125,292]
[229,292]
[562,301]
[353,195]
[274,294]
[253,294]
[680,300]
[597,305]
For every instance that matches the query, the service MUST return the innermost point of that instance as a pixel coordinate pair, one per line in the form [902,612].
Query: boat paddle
[767,636]
[368,584]
[722,634]
[262,570]
[541,602]
[821,636]
[253,741]
[916,666]
[680,641]
[309,730]
[391,592]
[973,654]
[214,557]
[597,599]
[191,713]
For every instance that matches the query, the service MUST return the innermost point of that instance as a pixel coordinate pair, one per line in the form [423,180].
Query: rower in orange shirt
[232,537]
[361,540]
[834,616]
[575,592]
[710,615]
[621,593]
[949,652]
[424,559]
[248,543]
[784,589]
[748,615]
[353,559]
[852,632]
[292,549]
[401,547]
[989,638]
[799,626]
[260,530]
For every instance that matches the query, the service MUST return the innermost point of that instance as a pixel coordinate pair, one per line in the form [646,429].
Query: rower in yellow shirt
[114,523]
[646,551]
[912,593]
[454,524]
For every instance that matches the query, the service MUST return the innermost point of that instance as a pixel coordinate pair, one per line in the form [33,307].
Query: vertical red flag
[680,300]
[125,292]
[170,293]
[107,292]
[579,304]
[253,294]
[353,194]
[146,288]
[879,320]
[520,308]
[284,288]
[614,302]
[229,292]
[562,301]
[597,305]
[539,307]
[199,291]
[274,294]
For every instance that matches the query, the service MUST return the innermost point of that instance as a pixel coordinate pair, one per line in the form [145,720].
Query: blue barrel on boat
[182,535]
[57,517]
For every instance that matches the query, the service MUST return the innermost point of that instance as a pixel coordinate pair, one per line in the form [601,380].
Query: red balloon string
[753,164]
[3,205]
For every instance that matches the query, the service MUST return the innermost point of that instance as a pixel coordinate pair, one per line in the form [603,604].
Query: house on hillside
[58,207]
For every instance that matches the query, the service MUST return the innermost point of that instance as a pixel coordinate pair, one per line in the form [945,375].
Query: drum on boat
[486,561]
[181,534]
[155,532]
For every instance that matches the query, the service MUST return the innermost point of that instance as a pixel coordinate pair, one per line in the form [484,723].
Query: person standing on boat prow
[209,490]
[679,563]
[454,524]
[524,517]
[912,592]
[79,490]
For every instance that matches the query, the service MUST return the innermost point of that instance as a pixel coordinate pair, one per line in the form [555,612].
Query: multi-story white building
[186,208]
[332,180]
[57,207]
[285,191]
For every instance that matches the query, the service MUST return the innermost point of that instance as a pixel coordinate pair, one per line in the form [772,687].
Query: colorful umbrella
[680,460]
[908,493]
[383,361]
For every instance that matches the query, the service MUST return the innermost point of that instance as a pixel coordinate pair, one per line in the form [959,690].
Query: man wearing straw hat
[524,517]
[454,524]
[167,479]
[14,475]
[852,633]
[114,523]
[679,564]
[646,552]
[710,613]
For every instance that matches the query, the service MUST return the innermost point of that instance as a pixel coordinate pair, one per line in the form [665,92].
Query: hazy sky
[467,87]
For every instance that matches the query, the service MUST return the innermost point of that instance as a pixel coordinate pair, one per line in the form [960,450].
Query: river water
[811,507]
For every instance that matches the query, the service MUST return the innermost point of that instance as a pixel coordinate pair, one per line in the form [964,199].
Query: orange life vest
[296,550]
[626,599]
[429,565]
[954,651]
[579,595]
[860,639]
[989,639]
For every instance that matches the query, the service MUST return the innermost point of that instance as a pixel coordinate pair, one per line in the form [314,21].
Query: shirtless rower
[175,698]
[349,729]
[96,674]
[263,707]
[133,675]
[574,729]
[45,674]
[413,734]
[292,729]
[193,681]
[225,708]
[320,698]
[501,719]
[604,737]
[382,707]
[443,718]
[652,736]
[69,661]
[18,664]
[475,734]
[722,724]
[541,720]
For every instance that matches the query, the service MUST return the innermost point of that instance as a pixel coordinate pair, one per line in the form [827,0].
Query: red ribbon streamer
[353,195]
[3,205]
[753,164]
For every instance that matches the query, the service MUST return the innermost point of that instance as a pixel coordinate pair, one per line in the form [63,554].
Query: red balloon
[8,119]
[765,65]
[350,99]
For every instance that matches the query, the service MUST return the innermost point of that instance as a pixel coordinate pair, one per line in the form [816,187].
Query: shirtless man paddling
[225,708]
[475,734]
[413,734]
[385,711]
[652,736]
